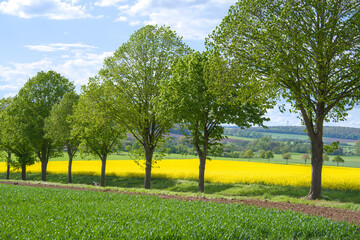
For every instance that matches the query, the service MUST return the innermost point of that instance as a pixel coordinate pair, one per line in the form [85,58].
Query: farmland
[69,214]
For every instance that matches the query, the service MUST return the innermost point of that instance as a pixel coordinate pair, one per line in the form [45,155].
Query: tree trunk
[8,165]
[8,171]
[316,167]
[103,167]
[201,187]
[148,165]
[23,172]
[70,163]
[44,163]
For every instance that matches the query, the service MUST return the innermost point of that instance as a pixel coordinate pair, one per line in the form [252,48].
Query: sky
[72,37]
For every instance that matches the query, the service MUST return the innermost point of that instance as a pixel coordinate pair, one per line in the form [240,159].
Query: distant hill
[329,132]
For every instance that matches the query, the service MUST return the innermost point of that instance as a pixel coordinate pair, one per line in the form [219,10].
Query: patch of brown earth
[326,212]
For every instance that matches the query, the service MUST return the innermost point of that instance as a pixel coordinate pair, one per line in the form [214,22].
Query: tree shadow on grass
[191,186]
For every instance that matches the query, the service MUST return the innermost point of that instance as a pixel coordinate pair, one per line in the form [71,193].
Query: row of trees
[306,51]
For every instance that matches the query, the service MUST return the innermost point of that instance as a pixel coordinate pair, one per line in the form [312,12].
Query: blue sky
[73,37]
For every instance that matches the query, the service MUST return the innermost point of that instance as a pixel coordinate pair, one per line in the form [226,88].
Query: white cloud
[77,64]
[52,9]
[108,3]
[53,47]
[192,19]
[121,19]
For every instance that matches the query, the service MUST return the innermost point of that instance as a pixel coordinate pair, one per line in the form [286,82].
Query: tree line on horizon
[304,51]
[329,131]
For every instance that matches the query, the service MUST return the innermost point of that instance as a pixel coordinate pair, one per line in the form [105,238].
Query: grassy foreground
[332,198]
[43,213]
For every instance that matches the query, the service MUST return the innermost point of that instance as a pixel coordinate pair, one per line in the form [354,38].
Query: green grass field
[332,198]
[350,161]
[45,213]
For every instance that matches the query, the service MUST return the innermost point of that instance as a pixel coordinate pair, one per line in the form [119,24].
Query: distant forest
[331,132]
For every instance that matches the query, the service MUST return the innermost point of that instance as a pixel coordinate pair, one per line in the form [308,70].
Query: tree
[198,110]
[98,132]
[305,157]
[310,49]
[286,156]
[58,127]
[338,160]
[269,155]
[357,147]
[325,157]
[262,154]
[39,94]
[15,138]
[4,103]
[134,75]
[249,154]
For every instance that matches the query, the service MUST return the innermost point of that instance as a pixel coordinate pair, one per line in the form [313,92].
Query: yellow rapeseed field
[217,171]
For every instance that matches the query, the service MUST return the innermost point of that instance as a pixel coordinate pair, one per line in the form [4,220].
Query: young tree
[193,104]
[39,95]
[249,154]
[4,103]
[261,154]
[269,155]
[134,75]
[15,128]
[94,126]
[305,157]
[58,127]
[357,147]
[286,156]
[338,160]
[310,49]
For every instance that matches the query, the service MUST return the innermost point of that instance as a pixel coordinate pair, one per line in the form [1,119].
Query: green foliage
[133,76]
[15,132]
[39,94]
[249,154]
[107,216]
[357,147]
[262,154]
[325,157]
[338,160]
[310,49]
[58,124]
[97,130]
[269,155]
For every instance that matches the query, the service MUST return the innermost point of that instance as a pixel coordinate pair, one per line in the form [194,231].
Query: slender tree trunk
[70,154]
[44,163]
[316,167]
[8,165]
[23,172]
[148,166]
[103,167]
[201,186]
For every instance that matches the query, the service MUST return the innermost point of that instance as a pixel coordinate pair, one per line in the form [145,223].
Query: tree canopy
[38,96]
[99,133]
[58,126]
[134,75]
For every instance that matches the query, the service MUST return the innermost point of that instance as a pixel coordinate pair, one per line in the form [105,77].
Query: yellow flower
[216,171]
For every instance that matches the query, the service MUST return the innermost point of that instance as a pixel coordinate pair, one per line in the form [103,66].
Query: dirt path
[327,212]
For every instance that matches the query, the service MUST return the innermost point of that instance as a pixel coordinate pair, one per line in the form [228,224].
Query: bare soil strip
[326,212]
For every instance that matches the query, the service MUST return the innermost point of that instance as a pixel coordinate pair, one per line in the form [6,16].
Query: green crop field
[45,213]
[350,161]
